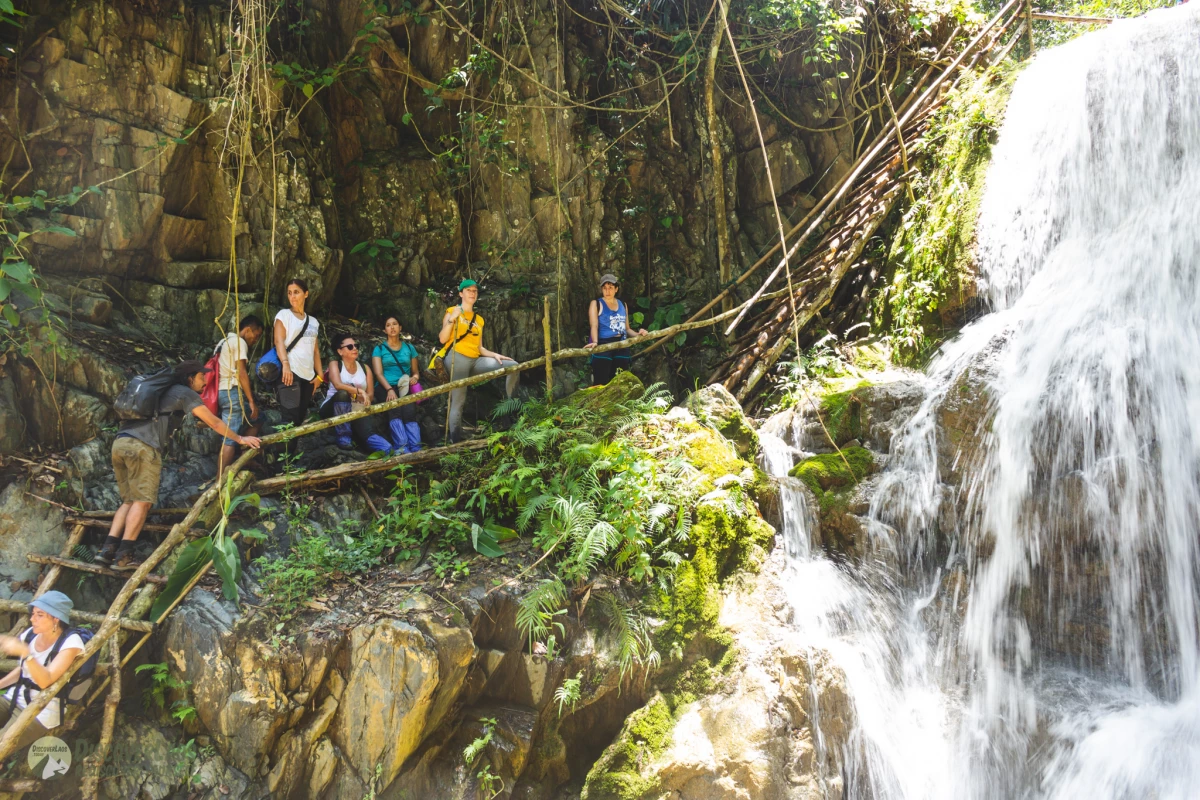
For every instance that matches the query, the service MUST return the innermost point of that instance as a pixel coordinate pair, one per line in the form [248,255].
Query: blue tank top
[611,323]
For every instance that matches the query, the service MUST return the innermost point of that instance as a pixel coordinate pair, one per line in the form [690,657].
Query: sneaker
[127,562]
[104,557]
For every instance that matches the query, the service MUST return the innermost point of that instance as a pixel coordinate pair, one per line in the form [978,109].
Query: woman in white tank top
[351,388]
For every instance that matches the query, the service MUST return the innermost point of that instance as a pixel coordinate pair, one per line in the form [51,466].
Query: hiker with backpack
[350,389]
[397,372]
[609,319]
[44,651]
[298,353]
[152,408]
[234,400]
[464,354]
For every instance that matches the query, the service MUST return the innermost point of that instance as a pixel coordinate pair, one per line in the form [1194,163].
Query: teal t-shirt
[395,368]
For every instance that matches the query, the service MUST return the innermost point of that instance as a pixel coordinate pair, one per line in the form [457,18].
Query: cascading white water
[1075,671]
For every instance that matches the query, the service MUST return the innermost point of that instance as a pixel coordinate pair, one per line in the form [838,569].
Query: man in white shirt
[235,400]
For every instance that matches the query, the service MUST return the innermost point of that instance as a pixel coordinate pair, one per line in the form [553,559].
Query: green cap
[467,282]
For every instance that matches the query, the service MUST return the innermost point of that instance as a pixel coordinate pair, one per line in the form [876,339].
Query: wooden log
[92,522]
[139,625]
[361,468]
[94,762]
[154,512]
[1048,17]
[19,785]
[83,566]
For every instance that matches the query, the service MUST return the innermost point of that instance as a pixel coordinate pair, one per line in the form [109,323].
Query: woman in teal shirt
[396,368]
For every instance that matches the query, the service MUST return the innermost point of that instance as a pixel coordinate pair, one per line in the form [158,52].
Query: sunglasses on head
[351,346]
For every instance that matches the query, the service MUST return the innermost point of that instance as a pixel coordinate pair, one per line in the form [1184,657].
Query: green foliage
[489,783]
[569,693]
[163,683]
[931,255]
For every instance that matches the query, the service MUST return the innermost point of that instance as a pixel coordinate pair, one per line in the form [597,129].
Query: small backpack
[141,396]
[76,688]
[212,384]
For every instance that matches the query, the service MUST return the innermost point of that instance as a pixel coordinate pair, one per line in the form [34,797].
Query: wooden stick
[1029,24]
[83,566]
[95,762]
[154,512]
[1048,17]
[96,522]
[360,468]
[19,785]
[139,625]
[546,339]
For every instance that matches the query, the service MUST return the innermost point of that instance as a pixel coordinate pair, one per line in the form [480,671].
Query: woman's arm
[415,366]
[10,678]
[44,676]
[377,368]
[285,375]
[594,319]
[448,321]
[370,388]
[317,355]
[483,351]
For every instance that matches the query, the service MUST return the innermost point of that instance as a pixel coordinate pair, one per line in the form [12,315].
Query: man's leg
[135,520]
[144,468]
[108,551]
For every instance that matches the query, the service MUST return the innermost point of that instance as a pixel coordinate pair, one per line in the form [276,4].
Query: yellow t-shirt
[470,343]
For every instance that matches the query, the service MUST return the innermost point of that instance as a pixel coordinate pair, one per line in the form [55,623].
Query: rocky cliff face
[538,191]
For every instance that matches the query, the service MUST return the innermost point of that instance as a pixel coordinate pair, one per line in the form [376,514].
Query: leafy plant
[569,693]
[163,682]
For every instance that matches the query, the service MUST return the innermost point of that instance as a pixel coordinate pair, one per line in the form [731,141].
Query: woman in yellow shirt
[462,335]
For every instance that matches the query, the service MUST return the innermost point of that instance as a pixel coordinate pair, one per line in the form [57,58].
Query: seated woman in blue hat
[44,651]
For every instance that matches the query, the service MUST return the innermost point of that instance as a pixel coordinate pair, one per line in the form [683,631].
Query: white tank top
[359,379]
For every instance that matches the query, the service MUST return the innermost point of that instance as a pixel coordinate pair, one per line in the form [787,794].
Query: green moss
[710,453]
[722,543]
[603,399]
[832,478]
[617,773]
[841,412]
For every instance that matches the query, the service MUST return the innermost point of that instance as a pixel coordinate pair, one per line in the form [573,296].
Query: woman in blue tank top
[609,320]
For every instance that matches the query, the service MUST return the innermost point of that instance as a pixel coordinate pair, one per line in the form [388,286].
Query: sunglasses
[351,346]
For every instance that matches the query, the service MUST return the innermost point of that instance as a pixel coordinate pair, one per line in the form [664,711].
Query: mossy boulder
[607,398]
[617,774]
[842,413]
[716,407]
[833,479]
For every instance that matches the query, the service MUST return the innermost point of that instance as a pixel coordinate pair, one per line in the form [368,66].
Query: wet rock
[213,779]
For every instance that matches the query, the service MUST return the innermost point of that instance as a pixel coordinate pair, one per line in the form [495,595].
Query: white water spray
[1075,672]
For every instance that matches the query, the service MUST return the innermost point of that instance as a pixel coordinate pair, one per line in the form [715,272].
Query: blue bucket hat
[56,604]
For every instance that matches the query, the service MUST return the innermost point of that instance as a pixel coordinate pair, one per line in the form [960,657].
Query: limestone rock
[716,407]
[142,763]
[393,676]
[12,424]
[789,167]
[26,526]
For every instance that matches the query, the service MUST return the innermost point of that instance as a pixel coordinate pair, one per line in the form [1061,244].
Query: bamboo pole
[154,512]
[1048,17]
[870,156]
[95,762]
[546,339]
[1029,24]
[83,566]
[361,468]
[140,625]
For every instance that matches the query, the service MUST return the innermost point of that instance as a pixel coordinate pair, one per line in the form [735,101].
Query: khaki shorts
[138,468]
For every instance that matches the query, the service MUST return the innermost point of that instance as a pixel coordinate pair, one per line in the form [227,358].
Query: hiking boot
[127,562]
[105,556]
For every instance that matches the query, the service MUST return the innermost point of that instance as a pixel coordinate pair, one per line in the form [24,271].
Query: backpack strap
[445,351]
[299,335]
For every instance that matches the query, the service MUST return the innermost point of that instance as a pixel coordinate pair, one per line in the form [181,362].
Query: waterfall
[1074,671]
